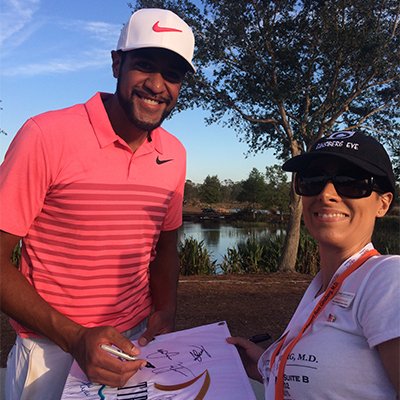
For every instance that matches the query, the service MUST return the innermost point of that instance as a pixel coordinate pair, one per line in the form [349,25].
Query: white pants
[37,368]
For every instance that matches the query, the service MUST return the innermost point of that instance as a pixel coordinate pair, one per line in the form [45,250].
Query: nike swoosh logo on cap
[159,29]
[159,162]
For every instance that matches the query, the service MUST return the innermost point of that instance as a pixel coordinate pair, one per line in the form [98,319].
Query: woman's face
[337,221]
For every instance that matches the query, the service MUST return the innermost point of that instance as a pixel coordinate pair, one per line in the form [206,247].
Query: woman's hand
[250,354]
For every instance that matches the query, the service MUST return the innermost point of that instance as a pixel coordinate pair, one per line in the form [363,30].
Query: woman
[343,340]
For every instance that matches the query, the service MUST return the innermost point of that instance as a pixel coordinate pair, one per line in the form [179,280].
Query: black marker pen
[120,353]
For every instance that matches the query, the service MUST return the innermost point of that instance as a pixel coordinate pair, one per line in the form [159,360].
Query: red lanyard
[329,294]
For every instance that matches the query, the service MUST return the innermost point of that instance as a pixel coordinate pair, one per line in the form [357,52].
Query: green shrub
[274,248]
[251,253]
[307,261]
[253,256]
[232,262]
[249,214]
[194,258]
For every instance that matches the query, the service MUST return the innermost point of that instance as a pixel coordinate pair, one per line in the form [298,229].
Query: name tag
[343,299]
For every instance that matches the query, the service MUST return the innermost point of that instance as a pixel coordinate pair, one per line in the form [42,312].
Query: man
[95,193]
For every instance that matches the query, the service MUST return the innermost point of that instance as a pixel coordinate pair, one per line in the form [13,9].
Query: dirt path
[250,304]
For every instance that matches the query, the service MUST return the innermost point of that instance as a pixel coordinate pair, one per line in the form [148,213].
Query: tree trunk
[287,261]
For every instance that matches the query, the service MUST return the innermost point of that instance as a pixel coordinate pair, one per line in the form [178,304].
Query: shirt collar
[104,132]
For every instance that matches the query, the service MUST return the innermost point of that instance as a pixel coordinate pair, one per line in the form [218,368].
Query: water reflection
[219,235]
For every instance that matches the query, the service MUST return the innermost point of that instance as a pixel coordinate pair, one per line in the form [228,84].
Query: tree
[210,190]
[285,73]
[228,188]
[278,189]
[254,188]
[191,190]
[395,153]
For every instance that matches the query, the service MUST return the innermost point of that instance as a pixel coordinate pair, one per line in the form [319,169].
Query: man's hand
[160,322]
[98,365]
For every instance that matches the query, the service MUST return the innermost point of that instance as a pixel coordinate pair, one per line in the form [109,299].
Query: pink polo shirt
[90,212]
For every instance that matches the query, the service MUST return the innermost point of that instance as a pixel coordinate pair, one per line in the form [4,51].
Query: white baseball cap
[154,27]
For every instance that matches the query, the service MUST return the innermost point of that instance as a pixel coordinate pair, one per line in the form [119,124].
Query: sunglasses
[351,184]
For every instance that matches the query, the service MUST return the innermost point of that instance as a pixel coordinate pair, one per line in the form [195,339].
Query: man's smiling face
[149,81]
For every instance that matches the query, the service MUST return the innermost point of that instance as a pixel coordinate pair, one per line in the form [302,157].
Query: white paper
[193,364]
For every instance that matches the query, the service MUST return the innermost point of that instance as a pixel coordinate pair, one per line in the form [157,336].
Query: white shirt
[337,357]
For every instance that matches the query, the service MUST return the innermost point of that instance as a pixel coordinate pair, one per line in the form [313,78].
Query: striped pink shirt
[90,212]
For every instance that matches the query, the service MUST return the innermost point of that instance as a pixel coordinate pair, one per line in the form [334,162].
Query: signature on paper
[179,368]
[161,353]
[198,352]
[85,387]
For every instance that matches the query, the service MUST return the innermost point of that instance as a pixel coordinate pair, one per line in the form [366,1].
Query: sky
[55,54]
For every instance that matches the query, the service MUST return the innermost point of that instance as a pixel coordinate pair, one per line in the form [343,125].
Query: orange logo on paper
[200,395]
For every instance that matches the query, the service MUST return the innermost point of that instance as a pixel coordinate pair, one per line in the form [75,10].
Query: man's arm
[21,301]
[164,275]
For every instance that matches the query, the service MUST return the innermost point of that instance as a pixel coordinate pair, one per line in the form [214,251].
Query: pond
[219,235]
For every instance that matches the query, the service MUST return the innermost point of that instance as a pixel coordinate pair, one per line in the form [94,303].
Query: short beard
[127,106]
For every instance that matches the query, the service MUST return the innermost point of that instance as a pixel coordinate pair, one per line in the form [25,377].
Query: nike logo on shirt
[159,162]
